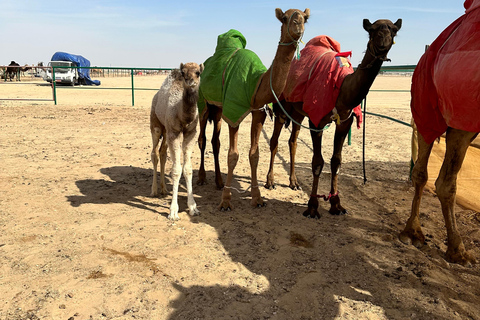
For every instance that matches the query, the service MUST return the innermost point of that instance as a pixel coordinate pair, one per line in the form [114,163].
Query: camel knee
[187,170]
[419,176]
[445,190]
[335,163]
[317,166]
[232,158]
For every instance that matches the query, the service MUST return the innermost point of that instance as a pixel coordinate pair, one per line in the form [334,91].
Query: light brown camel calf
[174,116]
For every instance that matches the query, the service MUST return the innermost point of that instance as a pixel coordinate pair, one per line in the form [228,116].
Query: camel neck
[190,98]
[358,84]
[275,77]
[281,65]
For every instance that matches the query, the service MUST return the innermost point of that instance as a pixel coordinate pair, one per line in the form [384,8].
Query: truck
[66,74]
[76,69]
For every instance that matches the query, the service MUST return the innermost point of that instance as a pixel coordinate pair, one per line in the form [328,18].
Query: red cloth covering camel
[316,78]
[451,56]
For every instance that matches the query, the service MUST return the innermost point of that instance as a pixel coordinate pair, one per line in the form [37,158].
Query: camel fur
[353,90]
[271,82]
[174,117]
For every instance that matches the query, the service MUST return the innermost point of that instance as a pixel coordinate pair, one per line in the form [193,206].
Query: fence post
[133,89]
[54,85]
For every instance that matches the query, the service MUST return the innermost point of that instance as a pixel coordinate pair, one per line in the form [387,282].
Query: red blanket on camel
[315,79]
[446,81]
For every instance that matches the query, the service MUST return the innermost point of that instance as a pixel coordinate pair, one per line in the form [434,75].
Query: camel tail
[212,111]
[277,111]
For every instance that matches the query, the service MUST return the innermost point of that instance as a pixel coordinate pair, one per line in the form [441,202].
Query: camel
[265,82]
[308,90]
[14,70]
[442,101]
[174,116]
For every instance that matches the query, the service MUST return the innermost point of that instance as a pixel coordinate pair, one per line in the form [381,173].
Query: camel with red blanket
[323,87]
[445,98]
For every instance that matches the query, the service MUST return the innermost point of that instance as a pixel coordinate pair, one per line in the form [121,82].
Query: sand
[82,239]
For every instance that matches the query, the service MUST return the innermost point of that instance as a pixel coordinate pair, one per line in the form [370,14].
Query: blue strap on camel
[231,78]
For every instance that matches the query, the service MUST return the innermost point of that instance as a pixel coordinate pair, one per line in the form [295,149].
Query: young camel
[174,116]
[266,81]
[443,100]
[341,104]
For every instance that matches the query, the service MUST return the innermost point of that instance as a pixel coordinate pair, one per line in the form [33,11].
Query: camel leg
[317,167]
[277,129]
[163,160]
[258,118]
[292,144]
[412,234]
[155,129]
[226,205]
[188,142]
[174,143]
[202,141]
[217,126]
[341,132]
[458,142]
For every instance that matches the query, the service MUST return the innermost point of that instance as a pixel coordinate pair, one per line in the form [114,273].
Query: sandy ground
[82,239]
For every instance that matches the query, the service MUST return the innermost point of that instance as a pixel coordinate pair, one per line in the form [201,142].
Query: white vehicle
[62,75]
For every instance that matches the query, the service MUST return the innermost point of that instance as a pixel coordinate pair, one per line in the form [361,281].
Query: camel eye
[198,73]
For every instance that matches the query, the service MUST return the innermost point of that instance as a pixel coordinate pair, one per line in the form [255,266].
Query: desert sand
[82,239]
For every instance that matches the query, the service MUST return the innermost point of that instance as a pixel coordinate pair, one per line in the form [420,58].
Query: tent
[79,61]
[468,178]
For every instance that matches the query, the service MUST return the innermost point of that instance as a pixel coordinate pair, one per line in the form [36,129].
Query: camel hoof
[338,212]
[312,213]
[194,211]
[461,257]
[201,182]
[173,217]
[261,205]
[270,186]
[227,209]
[295,187]
[412,237]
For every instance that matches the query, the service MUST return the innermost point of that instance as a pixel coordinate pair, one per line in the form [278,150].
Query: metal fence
[94,72]
[114,71]
[17,74]
[131,72]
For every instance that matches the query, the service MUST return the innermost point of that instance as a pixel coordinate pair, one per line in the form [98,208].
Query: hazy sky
[144,33]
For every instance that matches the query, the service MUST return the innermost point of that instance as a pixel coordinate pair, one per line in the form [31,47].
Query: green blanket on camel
[230,78]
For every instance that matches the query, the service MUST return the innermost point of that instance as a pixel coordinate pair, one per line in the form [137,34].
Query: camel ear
[280,15]
[201,68]
[307,14]
[181,66]
[367,25]
[398,24]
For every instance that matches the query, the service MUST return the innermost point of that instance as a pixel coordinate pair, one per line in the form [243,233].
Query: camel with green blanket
[235,83]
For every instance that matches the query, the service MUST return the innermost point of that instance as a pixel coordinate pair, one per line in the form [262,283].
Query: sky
[162,34]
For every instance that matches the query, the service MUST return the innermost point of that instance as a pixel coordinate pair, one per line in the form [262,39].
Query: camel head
[293,23]
[381,36]
[191,73]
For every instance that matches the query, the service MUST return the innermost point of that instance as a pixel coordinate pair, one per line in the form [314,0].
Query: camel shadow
[318,269]
[132,185]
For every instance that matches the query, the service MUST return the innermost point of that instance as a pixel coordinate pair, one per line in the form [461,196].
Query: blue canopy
[79,61]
